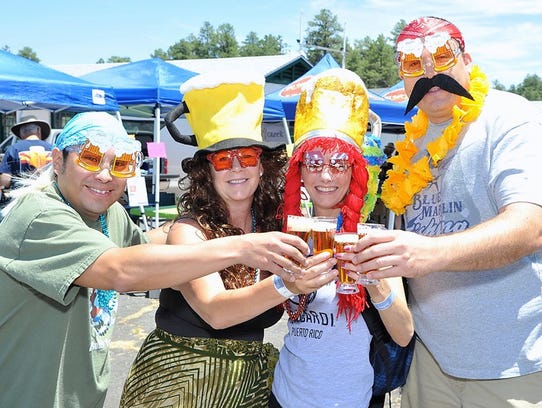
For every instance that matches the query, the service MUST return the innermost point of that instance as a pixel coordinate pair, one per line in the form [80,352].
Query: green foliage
[28,53]
[397,28]
[323,32]
[373,61]
[115,58]
[268,45]
[251,45]
[159,53]
[183,49]
[226,43]
[530,88]
[497,85]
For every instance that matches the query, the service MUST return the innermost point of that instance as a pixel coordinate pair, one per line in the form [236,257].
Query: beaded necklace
[301,306]
[406,178]
[256,278]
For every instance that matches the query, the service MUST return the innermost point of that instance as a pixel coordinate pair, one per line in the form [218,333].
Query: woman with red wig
[325,358]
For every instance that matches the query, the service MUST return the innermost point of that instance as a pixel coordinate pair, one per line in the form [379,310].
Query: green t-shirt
[54,336]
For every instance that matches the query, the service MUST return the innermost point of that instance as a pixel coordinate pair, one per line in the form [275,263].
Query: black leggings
[376,402]
[273,403]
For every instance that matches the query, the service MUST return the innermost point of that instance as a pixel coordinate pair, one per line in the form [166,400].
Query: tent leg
[144,218]
[286,131]
[156,171]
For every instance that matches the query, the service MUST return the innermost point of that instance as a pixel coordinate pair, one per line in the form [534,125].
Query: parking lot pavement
[135,320]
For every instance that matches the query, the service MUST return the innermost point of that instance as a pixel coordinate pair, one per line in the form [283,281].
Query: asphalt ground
[135,320]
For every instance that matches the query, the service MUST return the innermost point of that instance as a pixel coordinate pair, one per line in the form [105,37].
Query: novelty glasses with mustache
[223,159]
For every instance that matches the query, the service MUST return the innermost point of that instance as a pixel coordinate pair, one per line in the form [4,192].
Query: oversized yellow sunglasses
[445,57]
[124,165]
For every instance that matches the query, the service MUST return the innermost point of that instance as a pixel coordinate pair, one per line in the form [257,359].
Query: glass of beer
[323,231]
[347,285]
[300,226]
[362,231]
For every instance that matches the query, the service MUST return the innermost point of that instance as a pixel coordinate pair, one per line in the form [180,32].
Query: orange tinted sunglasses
[223,159]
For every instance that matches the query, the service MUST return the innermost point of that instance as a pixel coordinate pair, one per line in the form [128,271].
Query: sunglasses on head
[91,157]
[444,57]
[338,163]
[223,159]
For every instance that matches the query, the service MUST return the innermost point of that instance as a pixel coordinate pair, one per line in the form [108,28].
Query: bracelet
[278,283]
[386,303]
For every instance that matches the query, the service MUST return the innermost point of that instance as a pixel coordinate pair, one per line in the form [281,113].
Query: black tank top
[175,316]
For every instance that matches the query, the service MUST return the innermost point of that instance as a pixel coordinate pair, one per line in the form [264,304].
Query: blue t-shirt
[20,158]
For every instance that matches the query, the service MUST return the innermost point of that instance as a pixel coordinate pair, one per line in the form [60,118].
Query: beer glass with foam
[362,231]
[347,285]
[323,231]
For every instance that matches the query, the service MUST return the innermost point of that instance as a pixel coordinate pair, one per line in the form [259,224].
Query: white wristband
[278,283]
[386,303]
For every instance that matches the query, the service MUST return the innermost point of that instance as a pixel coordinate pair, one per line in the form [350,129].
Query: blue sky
[503,36]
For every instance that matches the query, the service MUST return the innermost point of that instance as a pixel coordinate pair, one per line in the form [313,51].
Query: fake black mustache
[443,81]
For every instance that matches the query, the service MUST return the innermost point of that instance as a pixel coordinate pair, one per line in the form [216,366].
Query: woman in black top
[207,349]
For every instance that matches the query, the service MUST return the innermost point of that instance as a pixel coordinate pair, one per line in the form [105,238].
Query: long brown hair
[202,203]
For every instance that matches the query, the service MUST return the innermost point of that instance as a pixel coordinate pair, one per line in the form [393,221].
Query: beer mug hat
[334,103]
[332,114]
[102,129]
[225,110]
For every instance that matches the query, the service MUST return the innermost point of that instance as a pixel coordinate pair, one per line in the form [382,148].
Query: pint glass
[362,231]
[347,285]
[300,226]
[323,231]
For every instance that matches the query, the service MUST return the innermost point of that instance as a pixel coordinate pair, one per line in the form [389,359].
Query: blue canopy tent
[25,84]
[153,83]
[389,112]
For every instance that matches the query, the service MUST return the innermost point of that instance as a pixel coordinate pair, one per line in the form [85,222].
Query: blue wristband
[386,303]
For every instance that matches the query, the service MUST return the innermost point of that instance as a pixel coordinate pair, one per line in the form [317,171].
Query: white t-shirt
[322,364]
[483,324]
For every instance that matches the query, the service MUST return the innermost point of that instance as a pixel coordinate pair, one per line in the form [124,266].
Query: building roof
[278,70]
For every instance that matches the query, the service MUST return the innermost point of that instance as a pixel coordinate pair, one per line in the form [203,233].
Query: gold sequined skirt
[190,372]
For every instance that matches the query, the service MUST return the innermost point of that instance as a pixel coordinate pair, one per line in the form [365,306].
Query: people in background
[28,154]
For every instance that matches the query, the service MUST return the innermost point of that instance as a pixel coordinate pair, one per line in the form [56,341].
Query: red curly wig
[353,201]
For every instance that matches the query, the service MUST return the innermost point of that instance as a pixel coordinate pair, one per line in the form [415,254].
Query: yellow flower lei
[406,179]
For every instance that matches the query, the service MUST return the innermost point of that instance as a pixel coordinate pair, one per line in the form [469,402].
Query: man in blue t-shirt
[31,152]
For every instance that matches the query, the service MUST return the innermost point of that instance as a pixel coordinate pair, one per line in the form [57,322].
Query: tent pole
[156,171]
[286,130]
